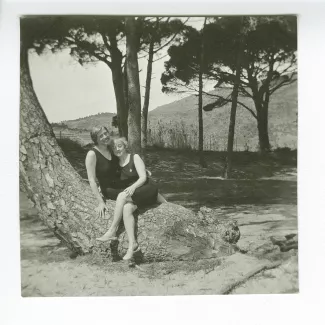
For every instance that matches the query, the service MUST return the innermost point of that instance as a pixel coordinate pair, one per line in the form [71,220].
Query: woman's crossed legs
[124,207]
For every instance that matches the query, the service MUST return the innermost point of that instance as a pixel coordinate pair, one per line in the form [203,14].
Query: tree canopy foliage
[268,60]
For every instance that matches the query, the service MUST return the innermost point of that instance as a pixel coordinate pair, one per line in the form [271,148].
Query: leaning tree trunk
[134,97]
[66,204]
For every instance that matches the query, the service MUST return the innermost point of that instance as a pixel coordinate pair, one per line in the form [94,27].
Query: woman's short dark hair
[94,133]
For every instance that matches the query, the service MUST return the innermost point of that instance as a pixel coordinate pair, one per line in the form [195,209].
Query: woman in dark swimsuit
[101,164]
[119,180]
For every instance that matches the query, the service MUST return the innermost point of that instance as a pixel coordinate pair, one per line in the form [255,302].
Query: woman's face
[103,137]
[119,148]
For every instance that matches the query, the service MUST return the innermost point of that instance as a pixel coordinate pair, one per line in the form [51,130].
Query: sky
[67,90]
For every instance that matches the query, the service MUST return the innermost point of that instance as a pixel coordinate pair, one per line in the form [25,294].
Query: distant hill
[283,110]
[182,117]
[88,122]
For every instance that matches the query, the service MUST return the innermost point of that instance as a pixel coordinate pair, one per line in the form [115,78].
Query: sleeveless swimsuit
[107,171]
[144,195]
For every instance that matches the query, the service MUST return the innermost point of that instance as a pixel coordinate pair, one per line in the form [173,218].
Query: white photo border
[304,307]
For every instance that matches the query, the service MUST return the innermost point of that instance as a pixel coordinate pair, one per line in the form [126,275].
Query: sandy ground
[47,270]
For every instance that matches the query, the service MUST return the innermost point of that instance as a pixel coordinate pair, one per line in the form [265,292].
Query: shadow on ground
[255,179]
[215,193]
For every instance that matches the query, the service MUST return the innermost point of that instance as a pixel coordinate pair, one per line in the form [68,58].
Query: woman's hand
[101,209]
[130,190]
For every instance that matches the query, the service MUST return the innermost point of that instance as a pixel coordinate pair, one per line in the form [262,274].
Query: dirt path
[47,270]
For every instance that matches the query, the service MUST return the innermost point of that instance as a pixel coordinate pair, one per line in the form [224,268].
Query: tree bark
[200,104]
[125,90]
[66,204]
[200,119]
[262,127]
[117,76]
[134,97]
[121,107]
[231,131]
[145,109]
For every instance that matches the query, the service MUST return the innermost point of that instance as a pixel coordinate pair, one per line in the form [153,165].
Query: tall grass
[176,135]
[180,135]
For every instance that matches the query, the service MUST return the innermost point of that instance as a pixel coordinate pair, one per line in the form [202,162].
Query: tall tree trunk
[234,100]
[200,118]
[144,121]
[262,100]
[134,96]
[262,126]
[200,106]
[125,88]
[66,204]
[231,130]
[117,76]
[232,122]
[121,107]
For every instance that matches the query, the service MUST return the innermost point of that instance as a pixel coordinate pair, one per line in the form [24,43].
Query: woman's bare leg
[129,225]
[122,198]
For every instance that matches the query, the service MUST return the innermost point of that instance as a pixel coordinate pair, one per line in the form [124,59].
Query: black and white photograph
[158,155]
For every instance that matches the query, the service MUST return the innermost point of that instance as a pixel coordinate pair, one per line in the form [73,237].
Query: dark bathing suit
[114,179]
[106,170]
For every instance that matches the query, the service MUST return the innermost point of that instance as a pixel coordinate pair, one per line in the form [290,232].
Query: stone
[177,234]
[51,206]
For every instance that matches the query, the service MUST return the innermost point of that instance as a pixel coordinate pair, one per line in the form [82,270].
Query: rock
[285,243]
[277,239]
[74,255]
[50,206]
[171,232]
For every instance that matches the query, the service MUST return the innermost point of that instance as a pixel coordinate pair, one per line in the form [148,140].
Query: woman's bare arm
[91,172]
[141,170]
